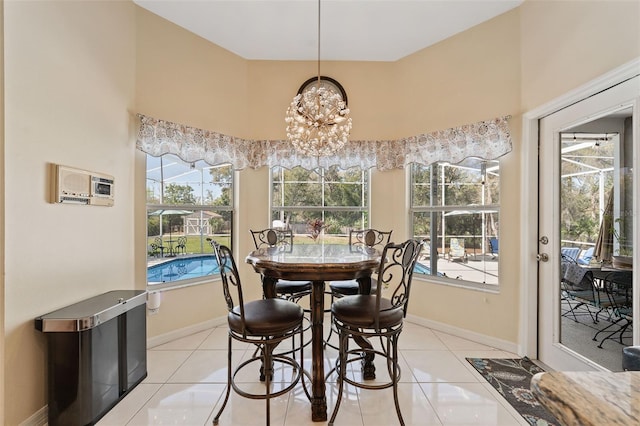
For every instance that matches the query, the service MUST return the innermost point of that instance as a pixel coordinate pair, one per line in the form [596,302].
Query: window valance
[488,140]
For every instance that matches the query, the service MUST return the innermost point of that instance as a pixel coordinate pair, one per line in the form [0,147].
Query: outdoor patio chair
[160,245]
[570,252]
[493,247]
[456,250]
[154,250]
[425,254]
[579,291]
[618,288]
[181,245]
[586,257]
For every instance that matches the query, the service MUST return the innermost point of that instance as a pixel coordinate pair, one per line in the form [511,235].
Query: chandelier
[318,122]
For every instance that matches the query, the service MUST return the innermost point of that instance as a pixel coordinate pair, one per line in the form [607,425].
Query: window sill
[467,285]
[182,283]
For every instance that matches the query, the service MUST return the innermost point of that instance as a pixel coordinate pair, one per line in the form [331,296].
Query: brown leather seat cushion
[266,317]
[350,287]
[359,311]
[292,287]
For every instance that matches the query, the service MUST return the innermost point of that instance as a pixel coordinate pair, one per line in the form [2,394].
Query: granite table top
[590,398]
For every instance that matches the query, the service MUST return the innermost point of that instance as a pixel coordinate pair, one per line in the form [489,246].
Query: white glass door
[587,227]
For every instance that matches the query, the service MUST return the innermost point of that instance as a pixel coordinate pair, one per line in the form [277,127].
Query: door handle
[542,257]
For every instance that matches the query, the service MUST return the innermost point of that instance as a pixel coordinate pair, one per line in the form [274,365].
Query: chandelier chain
[318,122]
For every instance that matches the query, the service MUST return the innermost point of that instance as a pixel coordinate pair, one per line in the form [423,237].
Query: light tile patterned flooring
[186,384]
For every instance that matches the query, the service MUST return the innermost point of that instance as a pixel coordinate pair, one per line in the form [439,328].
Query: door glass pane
[596,229]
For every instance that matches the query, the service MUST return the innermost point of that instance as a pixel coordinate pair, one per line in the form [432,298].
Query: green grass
[193,241]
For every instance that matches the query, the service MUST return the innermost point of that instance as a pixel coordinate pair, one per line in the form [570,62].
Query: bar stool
[372,316]
[264,323]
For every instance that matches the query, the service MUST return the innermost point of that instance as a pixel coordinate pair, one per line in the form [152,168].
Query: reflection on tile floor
[186,380]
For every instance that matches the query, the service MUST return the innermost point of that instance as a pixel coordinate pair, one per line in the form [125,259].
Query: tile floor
[186,383]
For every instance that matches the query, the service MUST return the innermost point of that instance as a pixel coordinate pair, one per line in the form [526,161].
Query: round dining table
[317,262]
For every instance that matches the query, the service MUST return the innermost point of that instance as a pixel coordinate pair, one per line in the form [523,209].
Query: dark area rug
[512,378]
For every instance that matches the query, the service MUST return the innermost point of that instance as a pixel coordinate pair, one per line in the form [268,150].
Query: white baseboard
[434,325]
[465,334]
[183,332]
[39,418]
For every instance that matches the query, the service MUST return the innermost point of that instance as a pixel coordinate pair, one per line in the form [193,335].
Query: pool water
[422,269]
[183,268]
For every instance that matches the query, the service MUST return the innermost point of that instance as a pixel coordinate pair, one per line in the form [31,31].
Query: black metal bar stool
[264,323]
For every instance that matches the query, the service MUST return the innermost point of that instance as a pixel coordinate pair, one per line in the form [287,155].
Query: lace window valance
[488,140]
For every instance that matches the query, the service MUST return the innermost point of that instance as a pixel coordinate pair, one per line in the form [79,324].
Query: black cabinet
[97,353]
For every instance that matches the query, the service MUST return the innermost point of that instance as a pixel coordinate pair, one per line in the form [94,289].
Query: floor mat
[512,379]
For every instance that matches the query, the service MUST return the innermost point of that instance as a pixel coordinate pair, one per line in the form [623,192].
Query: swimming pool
[424,269]
[183,268]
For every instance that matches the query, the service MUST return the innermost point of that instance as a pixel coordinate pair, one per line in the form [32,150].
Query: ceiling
[351,30]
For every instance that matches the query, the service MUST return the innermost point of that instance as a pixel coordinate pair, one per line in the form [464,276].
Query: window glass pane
[300,193]
[337,197]
[587,177]
[216,186]
[462,185]
[344,194]
[492,183]
[188,205]
[421,185]
[276,194]
[457,214]
[340,222]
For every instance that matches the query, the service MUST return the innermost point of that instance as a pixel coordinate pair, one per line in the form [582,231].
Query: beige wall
[2,214]
[183,78]
[568,43]
[72,89]
[69,87]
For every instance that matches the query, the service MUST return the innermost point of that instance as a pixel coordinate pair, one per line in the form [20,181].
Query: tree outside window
[337,198]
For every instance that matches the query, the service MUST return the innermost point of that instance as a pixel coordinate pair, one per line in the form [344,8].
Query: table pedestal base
[318,387]
[319,409]
[368,369]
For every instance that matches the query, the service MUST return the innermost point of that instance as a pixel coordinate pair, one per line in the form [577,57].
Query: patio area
[481,268]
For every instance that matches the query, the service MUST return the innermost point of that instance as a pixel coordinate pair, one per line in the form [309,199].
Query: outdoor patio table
[170,241]
[317,263]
